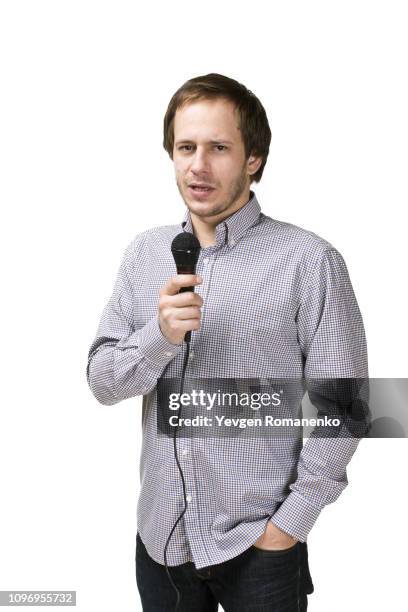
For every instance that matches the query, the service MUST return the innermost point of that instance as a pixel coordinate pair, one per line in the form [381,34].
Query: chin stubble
[236,190]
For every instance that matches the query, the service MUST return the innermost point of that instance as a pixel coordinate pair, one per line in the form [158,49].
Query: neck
[204,227]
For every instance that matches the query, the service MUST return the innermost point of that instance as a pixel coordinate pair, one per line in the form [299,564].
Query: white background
[84,89]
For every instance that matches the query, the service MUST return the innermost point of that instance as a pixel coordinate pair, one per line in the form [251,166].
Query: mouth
[201,188]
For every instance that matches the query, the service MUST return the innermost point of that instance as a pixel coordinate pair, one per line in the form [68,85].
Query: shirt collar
[234,227]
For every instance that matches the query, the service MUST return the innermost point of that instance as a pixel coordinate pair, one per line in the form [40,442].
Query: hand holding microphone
[179,306]
[179,313]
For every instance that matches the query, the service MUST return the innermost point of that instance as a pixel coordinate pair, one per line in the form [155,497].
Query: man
[271,300]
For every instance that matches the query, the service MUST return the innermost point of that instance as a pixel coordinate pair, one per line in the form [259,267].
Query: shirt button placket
[191,518]
[205,265]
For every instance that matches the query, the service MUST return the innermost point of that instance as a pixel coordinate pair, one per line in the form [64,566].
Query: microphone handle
[186,270]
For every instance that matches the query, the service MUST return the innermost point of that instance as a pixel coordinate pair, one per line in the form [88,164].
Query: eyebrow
[215,142]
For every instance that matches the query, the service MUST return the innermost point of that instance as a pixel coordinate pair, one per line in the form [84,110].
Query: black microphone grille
[185,241]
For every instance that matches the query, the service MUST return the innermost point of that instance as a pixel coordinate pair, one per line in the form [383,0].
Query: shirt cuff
[154,347]
[295,516]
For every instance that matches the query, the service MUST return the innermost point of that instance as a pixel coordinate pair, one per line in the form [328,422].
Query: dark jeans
[254,581]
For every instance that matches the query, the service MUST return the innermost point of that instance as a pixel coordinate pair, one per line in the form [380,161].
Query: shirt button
[191,354]
[232,242]
[189,498]
[184,452]
[206,260]
[168,354]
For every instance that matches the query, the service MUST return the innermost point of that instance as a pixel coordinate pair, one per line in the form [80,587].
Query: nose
[199,161]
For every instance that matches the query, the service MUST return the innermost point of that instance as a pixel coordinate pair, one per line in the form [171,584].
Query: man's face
[212,174]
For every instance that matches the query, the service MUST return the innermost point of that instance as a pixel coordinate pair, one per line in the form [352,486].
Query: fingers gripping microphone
[186,250]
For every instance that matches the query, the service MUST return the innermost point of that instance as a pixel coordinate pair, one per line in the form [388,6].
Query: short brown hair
[253,122]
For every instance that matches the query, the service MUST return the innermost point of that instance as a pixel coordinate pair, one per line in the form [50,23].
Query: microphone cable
[185,249]
[178,594]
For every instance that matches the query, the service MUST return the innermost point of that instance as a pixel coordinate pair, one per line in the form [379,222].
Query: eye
[185,148]
[220,147]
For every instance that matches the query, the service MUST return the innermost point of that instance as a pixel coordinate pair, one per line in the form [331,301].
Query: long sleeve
[332,339]
[125,359]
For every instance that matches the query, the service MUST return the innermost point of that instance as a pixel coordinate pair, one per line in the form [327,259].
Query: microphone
[186,250]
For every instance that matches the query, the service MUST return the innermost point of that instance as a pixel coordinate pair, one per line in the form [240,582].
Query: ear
[253,164]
